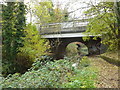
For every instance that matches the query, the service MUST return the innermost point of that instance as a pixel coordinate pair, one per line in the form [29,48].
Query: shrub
[39,62]
[33,48]
[84,78]
[6,68]
[53,74]
[34,45]
[84,61]
[21,64]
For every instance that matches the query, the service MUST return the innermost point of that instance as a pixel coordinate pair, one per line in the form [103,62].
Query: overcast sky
[71,5]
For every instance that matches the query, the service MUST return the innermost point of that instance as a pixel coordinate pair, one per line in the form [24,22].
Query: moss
[111,60]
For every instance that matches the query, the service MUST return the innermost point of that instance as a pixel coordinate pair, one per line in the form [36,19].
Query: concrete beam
[67,35]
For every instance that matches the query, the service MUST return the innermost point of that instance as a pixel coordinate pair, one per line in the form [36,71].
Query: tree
[34,46]
[46,14]
[103,21]
[12,31]
[117,12]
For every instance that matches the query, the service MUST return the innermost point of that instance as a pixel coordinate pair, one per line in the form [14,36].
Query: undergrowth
[64,73]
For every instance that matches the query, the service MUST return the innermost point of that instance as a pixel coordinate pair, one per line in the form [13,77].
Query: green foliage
[39,62]
[84,75]
[71,50]
[84,61]
[42,11]
[23,62]
[111,57]
[34,46]
[83,49]
[13,29]
[103,23]
[8,28]
[53,74]
[83,79]
[46,14]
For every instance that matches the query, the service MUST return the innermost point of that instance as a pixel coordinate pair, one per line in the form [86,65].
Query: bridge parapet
[64,27]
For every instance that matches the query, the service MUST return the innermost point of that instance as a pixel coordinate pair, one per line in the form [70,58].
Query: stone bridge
[64,33]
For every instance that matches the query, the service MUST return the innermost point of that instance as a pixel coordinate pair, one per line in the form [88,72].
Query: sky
[71,6]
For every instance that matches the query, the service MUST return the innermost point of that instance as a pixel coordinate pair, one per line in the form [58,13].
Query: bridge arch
[76,48]
[59,50]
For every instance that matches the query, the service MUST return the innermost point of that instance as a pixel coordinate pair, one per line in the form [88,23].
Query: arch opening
[76,48]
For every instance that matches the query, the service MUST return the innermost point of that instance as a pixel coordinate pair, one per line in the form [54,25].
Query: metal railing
[64,27]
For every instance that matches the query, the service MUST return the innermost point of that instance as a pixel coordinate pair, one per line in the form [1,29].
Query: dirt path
[108,73]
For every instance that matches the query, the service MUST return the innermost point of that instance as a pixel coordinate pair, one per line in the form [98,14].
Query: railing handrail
[68,26]
[59,23]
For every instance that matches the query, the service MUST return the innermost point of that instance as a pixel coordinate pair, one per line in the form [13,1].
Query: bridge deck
[67,35]
[67,29]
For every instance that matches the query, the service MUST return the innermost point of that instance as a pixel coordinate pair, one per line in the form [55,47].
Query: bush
[39,62]
[33,48]
[34,45]
[84,78]
[21,64]
[84,61]
[6,68]
[53,74]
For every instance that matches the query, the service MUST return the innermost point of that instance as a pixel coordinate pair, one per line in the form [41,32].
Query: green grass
[111,57]
[112,54]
